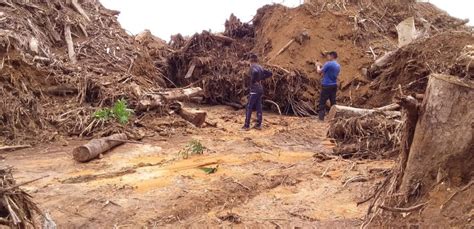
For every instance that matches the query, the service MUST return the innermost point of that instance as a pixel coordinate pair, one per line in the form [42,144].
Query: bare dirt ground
[266,178]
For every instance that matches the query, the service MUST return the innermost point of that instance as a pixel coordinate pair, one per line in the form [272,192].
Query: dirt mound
[442,53]
[277,25]
[59,61]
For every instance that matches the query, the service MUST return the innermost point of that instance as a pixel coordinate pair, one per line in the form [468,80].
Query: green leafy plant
[119,112]
[192,148]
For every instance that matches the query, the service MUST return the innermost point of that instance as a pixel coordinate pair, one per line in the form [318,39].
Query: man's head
[332,55]
[253,58]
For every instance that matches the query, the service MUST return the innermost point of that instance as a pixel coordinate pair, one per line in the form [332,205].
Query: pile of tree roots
[219,64]
[17,210]
[62,60]
[372,136]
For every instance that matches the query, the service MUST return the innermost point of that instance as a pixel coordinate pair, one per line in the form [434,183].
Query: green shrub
[120,112]
[192,148]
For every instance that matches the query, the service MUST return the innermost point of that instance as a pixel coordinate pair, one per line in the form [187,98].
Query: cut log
[390,107]
[182,94]
[443,140]
[196,117]
[156,101]
[338,111]
[96,147]
[70,43]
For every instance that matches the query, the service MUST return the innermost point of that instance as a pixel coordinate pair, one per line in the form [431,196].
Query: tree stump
[443,141]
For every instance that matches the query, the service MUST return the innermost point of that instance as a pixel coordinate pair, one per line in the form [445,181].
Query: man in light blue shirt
[330,72]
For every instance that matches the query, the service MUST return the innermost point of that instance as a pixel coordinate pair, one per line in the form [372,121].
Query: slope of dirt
[263,179]
[276,25]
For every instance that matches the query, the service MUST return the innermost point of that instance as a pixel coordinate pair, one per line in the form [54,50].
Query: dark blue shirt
[330,70]
[257,74]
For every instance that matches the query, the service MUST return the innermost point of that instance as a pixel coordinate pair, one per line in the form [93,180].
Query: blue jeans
[255,101]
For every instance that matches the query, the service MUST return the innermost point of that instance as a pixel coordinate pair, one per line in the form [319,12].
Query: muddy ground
[264,178]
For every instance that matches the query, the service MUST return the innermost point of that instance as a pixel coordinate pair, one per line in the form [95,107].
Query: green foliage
[192,148]
[119,112]
[103,114]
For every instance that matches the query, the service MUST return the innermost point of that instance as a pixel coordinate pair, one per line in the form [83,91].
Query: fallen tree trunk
[196,117]
[443,141]
[338,111]
[96,147]
[156,101]
[181,94]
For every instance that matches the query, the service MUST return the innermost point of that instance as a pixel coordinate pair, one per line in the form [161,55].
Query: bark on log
[410,117]
[338,111]
[96,147]
[443,141]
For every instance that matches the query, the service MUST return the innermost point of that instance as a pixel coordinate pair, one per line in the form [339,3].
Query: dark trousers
[255,101]
[328,92]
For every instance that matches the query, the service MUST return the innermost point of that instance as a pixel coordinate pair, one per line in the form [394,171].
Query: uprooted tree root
[369,136]
[217,64]
[17,209]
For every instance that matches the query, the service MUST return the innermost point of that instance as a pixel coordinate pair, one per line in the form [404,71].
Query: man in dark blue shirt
[330,71]
[257,75]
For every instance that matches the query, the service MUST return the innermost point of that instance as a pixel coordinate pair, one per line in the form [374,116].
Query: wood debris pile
[17,210]
[446,52]
[59,61]
[219,64]
[372,136]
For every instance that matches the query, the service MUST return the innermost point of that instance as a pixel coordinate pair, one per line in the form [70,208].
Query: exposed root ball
[17,210]
[371,136]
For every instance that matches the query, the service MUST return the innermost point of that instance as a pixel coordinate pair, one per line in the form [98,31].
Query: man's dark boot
[258,127]
[245,128]
[321,115]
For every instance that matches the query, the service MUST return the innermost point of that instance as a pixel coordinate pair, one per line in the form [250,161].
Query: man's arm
[267,74]
[319,67]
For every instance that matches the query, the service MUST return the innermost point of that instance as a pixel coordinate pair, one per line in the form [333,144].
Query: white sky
[167,17]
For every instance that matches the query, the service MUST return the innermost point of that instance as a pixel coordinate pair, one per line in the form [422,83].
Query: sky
[167,17]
